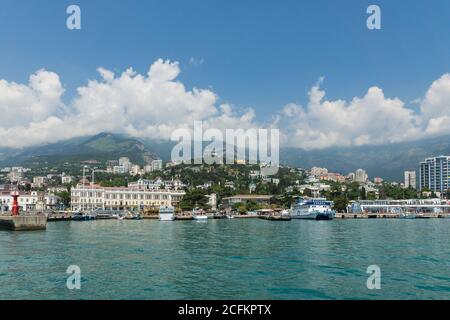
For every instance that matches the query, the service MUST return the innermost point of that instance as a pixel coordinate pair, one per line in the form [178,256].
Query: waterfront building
[406,205]
[228,202]
[410,179]
[28,201]
[85,197]
[434,174]
[158,183]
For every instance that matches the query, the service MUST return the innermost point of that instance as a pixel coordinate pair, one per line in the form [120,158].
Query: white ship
[166,214]
[313,209]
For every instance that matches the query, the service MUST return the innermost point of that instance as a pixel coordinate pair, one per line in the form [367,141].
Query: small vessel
[166,214]
[132,216]
[313,209]
[199,215]
[81,216]
[218,215]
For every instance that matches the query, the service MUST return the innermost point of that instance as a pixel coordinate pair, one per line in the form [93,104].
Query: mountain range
[386,161]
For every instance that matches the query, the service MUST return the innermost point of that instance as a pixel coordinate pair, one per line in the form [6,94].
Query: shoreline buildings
[434,174]
[137,197]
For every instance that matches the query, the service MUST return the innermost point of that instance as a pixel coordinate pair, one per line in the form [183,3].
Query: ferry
[313,209]
[166,214]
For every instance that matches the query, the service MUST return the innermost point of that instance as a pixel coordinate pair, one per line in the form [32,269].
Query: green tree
[194,198]
[340,203]
[65,197]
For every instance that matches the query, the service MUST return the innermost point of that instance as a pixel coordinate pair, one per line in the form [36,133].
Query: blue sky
[258,54]
[262,54]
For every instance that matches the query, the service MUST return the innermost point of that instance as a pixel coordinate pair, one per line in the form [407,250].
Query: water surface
[228,259]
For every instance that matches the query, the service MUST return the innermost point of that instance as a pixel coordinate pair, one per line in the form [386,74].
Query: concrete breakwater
[24,223]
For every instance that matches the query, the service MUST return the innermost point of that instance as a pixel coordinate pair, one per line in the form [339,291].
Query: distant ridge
[386,161]
[103,146]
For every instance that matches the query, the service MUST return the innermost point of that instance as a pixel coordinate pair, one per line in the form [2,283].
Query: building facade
[122,198]
[410,179]
[434,174]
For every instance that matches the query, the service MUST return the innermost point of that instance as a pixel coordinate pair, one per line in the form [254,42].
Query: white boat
[199,215]
[313,209]
[166,214]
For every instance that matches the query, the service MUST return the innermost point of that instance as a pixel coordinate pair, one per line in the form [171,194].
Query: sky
[144,68]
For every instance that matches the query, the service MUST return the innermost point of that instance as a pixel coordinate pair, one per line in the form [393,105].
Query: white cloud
[152,105]
[149,106]
[372,119]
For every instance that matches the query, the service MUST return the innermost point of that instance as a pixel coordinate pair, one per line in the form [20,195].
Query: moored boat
[313,209]
[166,214]
[81,216]
[199,215]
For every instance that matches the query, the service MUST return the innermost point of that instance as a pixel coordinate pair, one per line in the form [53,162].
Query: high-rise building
[361,176]
[434,174]
[157,165]
[410,179]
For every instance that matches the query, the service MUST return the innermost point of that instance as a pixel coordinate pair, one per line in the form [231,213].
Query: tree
[194,198]
[340,203]
[363,194]
[65,197]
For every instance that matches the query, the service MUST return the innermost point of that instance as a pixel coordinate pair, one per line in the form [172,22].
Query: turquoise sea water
[228,259]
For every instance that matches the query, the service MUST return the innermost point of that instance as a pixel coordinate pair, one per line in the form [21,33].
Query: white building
[28,201]
[212,201]
[157,165]
[410,179]
[361,176]
[39,182]
[135,170]
[122,198]
[120,169]
[66,179]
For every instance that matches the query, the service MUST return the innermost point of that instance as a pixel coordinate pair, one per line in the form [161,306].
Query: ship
[166,214]
[313,209]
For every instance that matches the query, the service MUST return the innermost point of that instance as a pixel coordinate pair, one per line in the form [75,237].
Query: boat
[166,214]
[132,216]
[199,215]
[313,209]
[81,216]
[218,215]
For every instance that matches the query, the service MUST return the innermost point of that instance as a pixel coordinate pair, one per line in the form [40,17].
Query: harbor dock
[23,222]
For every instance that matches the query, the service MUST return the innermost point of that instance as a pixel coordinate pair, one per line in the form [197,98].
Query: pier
[24,223]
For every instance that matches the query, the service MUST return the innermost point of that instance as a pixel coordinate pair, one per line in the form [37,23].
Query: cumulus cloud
[371,119]
[154,104]
[150,106]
